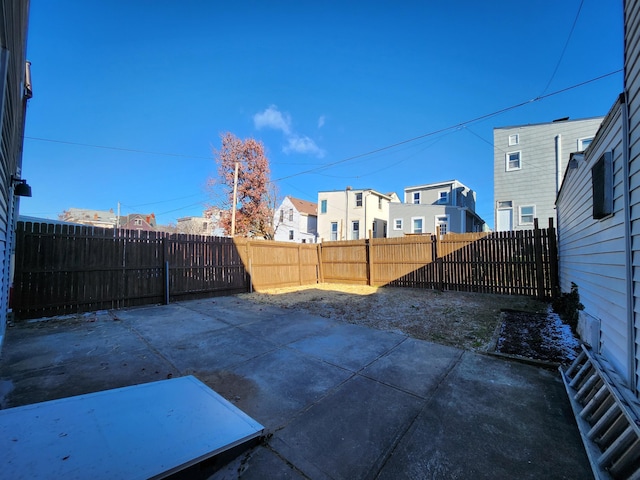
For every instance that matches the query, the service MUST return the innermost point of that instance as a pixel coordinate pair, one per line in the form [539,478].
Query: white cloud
[321,121]
[273,118]
[304,144]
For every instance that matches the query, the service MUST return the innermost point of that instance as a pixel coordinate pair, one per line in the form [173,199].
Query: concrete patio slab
[341,400]
[277,386]
[492,419]
[349,346]
[414,366]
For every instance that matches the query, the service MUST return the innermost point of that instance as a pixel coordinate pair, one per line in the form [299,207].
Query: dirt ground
[471,321]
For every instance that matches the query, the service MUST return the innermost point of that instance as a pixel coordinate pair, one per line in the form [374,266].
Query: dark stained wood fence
[63,269]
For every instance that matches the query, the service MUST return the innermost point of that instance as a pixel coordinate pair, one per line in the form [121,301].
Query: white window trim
[514,139]
[355,197]
[326,206]
[445,200]
[353,230]
[412,199]
[506,161]
[437,220]
[520,222]
[581,147]
[412,224]
[395,226]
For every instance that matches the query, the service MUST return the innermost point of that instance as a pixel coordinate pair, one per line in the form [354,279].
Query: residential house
[591,214]
[209,226]
[353,214]
[15,91]
[529,163]
[296,221]
[138,221]
[449,205]
[94,218]
[598,216]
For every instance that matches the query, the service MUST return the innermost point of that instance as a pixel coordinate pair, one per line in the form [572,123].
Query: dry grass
[460,319]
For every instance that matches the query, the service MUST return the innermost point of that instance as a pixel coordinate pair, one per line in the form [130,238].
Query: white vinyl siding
[632,85]
[592,252]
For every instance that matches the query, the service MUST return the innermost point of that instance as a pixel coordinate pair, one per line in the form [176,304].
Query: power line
[121,149]
[451,127]
[566,44]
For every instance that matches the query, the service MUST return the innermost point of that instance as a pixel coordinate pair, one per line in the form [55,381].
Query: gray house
[529,163]
[449,205]
[15,90]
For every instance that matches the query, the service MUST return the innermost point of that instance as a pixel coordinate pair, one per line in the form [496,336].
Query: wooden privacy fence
[68,269]
[514,263]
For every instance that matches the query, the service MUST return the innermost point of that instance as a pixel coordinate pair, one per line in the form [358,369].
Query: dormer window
[443,197]
[416,198]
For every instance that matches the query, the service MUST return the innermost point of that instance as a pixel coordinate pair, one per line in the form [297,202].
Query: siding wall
[13,31]
[535,182]
[632,90]
[303,226]
[406,211]
[342,210]
[592,252]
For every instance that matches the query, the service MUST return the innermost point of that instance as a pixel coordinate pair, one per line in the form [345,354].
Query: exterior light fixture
[21,188]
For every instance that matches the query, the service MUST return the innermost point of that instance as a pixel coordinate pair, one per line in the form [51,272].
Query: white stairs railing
[607,416]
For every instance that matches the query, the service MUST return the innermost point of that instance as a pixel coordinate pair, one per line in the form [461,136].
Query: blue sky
[157,82]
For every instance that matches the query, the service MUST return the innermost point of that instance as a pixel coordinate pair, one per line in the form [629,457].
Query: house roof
[561,120]
[350,189]
[436,184]
[304,206]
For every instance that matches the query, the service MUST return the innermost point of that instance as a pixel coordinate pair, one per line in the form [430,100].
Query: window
[514,139]
[137,221]
[204,226]
[379,203]
[513,161]
[290,234]
[443,197]
[281,215]
[397,224]
[416,198]
[602,184]
[355,230]
[374,229]
[334,230]
[304,240]
[527,214]
[359,199]
[417,224]
[505,204]
[291,214]
[323,206]
[442,222]
[583,143]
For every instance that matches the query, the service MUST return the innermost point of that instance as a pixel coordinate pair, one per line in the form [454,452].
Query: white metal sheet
[142,431]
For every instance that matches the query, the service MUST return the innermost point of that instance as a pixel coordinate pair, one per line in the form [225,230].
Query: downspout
[558,163]
[628,251]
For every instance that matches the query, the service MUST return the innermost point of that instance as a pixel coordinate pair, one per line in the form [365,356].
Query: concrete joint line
[377,468]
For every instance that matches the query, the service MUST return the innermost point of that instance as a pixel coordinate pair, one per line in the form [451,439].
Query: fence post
[165,262]
[539,264]
[320,273]
[249,266]
[553,260]
[438,259]
[370,259]
[300,264]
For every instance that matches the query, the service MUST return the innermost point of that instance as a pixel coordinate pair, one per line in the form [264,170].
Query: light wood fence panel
[345,262]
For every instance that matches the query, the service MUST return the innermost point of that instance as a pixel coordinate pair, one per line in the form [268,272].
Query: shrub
[568,305]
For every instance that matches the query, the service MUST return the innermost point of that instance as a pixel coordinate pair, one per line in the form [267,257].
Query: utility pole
[235,201]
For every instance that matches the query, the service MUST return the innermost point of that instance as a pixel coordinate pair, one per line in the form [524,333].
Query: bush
[568,305]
